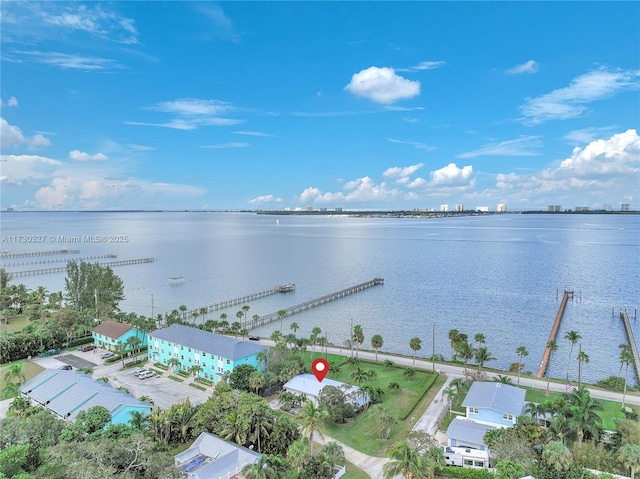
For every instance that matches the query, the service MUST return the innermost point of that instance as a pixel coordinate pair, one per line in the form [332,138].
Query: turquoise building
[109,333]
[214,353]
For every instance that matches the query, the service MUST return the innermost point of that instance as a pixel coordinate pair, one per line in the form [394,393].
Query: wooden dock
[554,332]
[262,320]
[63,269]
[281,288]
[632,341]
[48,261]
[7,254]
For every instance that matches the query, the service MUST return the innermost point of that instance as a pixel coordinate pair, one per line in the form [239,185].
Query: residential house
[214,353]
[109,333]
[211,457]
[489,405]
[309,386]
[66,393]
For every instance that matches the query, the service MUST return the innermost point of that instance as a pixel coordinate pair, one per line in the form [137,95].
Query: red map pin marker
[320,368]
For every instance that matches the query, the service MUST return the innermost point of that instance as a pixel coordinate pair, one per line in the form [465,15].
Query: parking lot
[163,391]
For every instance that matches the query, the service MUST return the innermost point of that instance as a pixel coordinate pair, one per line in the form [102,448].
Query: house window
[219,369]
[162,351]
[189,349]
[204,355]
[206,375]
[479,464]
[507,417]
[189,359]
[204,365]
[175,355]
[468,462]
[228,362]
[473,410]
[182,357]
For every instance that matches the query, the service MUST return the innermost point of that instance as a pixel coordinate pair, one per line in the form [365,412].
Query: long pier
[47,261]
[632,341]
[7,254]
[62,269]
[284,288]
[554,332]
[262,320]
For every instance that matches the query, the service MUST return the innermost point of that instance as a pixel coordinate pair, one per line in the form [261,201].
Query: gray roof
[494,395]
[309,385]
[225,346]
[68,392]
[219,457]
[467,432]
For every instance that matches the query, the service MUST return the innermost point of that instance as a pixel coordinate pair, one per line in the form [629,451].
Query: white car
[146,375]
[139,371]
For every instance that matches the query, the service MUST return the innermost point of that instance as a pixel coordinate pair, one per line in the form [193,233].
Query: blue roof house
[66,393]
[489,405]
[214,353]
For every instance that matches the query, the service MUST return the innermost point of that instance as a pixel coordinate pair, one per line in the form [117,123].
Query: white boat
[176,280]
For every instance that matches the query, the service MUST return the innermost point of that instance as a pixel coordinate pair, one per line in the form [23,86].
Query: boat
[176,280]
[286,287]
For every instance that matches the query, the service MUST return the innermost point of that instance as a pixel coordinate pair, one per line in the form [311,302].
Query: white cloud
[523,146]
[417,183]
[140,147]
[77,155]
[254,133]
[362,190]
[68,61]
[451,175]
[423,66]
[571,101]
[13,101]
[58,194]
[12,136]
[27,169]
[400,172]
[265,199]
[190,113]
[382,85]
[415,144]
[586,135]
[528,67]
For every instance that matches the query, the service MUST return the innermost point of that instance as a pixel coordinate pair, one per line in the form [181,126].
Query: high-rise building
[501,208]
[606,207]
[555,208]
[624,207]
[444,208]
[459,208]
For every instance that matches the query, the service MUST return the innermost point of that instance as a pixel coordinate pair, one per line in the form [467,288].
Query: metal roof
[225,346]
[68,392]
[469,432]
[112,329]
[494,395]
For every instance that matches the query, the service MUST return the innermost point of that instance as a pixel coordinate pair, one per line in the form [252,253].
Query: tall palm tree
[483,355]
[408,463]
[15,371]
[257,381]
[267,467]
[281,314]
[453,338]
[245,310]
[583,358]
[466,353]
[376,343]
[174,363]
[183,309]
[557,456]
[294,327]
[298,454]
[203,312]
[313,421]
[415,344]
[195,371]
[315,334]
[235,429]
[138,420]
[358,337]
[480,339]
[553,347]
[572,336]
[626,358]
[359,375]
[522,353]
[451,394]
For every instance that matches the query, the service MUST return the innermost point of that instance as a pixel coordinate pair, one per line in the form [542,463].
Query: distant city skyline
[352,105]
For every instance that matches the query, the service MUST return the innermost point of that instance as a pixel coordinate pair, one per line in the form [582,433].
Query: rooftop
[112,329]
[467,431]
[494,395]
[225,346]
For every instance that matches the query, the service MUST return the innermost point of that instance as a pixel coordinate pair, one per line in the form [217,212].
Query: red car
[89,347]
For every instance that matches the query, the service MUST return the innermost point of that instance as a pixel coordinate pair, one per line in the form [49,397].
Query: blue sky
[359,105]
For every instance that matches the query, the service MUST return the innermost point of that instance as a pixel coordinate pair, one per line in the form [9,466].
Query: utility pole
[152,306]
[433,348]
[351,322]
[95,297]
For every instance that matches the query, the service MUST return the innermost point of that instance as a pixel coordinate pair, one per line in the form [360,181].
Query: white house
[309,386]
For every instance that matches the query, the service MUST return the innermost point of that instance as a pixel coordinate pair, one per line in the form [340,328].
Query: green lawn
[15,324]
[30,371]
[612,409]
[353,472]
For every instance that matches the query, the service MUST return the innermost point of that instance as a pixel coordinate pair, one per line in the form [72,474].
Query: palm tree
[388,364]
[451,394]
[315,333]
[358,337]
[376,343]
[453,338]
[626,358]
[409,373]
[522,353]
[629,455]
[183,309]
[408,463]
[267,467]
[359,375]
[133,343]
[195,371]
[557,456]
[235,429]
[553,347]
[294,327]
[174,363]
[466,352]
[394,387]
[224,324]
[572,336]
[298,454]
[581,411]
[138,420]
[535,410]
[503,378]
[245,310]
[281,314]
[121,350]
[583,358]
[415,344]
[15,370]
[334,453]
[480,339]
[313,421]
[203,312]
[483,355]
[257,381]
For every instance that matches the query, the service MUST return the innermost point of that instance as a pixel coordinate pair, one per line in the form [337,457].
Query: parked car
[66,367]
[146,375]
[139,371]
[88,347]
[254,338]
[106,355]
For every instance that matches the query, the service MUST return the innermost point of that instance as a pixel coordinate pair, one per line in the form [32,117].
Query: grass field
[30,371]
[15,324]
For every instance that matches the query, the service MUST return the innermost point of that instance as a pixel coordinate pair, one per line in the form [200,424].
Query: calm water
[497,275]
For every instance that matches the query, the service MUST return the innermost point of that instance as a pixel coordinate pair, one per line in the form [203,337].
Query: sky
[353,105]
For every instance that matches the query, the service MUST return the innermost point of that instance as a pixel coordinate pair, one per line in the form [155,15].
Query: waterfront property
[212,457]
[183,347]
[66,393]
[310,387]
[109,333]
[489,405]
